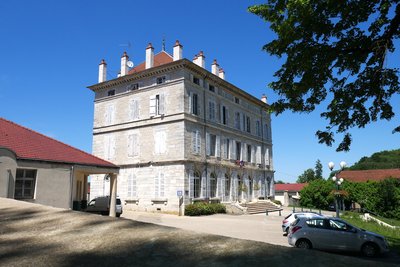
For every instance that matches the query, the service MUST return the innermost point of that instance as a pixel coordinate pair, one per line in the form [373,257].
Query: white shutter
[225,148]
[203,192]
[194,142]
[106,146]
[161,104]
[243,127]
[244,152]
[152,105]
[130,185]
[191,184]
[233,150]
[136,145]
[156,186]
[198,105]
[163,142]
[258,157]
[253,154]
[162,184]
[190,102]
[218,147]
[208,144]
[198,142]
[131,146]
[267,156]
[132,109]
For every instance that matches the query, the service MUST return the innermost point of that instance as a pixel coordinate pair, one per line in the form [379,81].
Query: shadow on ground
[35,235]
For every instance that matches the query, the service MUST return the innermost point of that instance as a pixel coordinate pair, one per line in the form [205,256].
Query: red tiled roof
[159,59]
[290,187]
[28,144]
[368,175]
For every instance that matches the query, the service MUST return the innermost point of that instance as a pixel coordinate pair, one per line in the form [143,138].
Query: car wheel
[369,250]
[303,243]
[118,215]
[286,232]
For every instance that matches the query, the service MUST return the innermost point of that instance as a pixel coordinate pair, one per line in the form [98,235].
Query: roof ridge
[62,143]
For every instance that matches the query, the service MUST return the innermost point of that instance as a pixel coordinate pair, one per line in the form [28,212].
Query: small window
[211,88]
[237,100]
[196,80]
[25,184]
[238,150]
[161,80]
[111,92]
[134,86]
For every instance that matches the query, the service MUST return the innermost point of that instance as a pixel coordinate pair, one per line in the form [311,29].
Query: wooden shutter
[258,157]
[233,150]
[218,146]
[208,144]
[161,107]
[152,105]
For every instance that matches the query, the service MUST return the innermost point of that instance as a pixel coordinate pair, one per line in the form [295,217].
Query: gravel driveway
[35,235]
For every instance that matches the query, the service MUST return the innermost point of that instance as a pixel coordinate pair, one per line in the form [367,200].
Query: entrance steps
[261,206]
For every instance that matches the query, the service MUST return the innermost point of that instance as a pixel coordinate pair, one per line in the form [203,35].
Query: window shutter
[253,154]
[190,102]
[106,146]
[220,184]
[130,185]
[191,185]
[233,149]
[218,147]
[225,148]
[162,104]
[194,143]
[267,156]
[132,109]
[244,152]
[258,158]
[136,145]
[152,105]
[162,185]
[156,186]
[198,105]
[198,142]
[243,122]
[131,145]
[203,192]
[208,144]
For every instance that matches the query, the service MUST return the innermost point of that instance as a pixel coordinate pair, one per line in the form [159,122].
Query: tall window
[249,153]
[238,150]
[258,128]
[159,185]
[213,185]
[160,144]
[25,184]
[211,144]
[196,142]
[157,105]
[132,191]
[248,124]
[109,114]
[194,103]
[224,115]
[196,185]
[237,120]
[134,109]
[196,80]
[133,145]
[227,148]
[109,146]
[211,110]
[227,184]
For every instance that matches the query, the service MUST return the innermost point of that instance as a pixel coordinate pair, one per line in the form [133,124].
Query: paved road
[257,227]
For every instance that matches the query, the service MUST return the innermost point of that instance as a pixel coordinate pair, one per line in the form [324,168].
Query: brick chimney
[124,64]
[221,73]
[177,54]
[264,98]
[215,68]
[149,56]
[102,71]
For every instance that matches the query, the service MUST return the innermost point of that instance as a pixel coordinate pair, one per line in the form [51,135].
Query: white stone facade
[178,127]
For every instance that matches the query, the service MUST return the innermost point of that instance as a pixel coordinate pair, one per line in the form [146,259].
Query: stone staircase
[261,207]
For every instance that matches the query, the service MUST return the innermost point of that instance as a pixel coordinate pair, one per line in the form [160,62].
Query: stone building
[177,131]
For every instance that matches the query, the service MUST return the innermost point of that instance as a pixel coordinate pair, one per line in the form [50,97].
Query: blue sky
[50,51]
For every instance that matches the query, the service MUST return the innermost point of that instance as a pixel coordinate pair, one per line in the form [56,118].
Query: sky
[50,52]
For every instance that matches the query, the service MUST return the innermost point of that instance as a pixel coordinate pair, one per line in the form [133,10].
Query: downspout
[71,186]
[205,131]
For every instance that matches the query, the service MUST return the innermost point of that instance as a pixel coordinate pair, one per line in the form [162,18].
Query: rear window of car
[288,216]
[118,201]
[295,222]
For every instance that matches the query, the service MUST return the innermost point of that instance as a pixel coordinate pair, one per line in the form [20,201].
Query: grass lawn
[392,235]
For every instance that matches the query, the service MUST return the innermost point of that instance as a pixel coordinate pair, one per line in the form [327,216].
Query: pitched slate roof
[290,187]
[159,59]
[31,145]
[368,175]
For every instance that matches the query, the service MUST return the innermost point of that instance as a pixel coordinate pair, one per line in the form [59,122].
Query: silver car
[292,217]
[335,234]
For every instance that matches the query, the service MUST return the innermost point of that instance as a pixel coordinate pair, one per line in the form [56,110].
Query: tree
[307,176]
[279,182]
[318,170]
[317,194]
[337,48]
[380,160]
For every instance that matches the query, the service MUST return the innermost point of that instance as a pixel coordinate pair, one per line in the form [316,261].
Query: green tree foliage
[317,194]
[307,176]
[318,170]
[334,51]
[279,182]
[380,160]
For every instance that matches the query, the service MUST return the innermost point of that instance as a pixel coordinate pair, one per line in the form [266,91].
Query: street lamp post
[338,181]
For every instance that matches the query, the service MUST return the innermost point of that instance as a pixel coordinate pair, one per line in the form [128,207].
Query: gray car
[292,217]
[335,234]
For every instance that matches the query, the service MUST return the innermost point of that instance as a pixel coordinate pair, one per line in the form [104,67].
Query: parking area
[258,227]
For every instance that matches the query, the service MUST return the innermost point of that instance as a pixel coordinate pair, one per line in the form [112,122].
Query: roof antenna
[163,43]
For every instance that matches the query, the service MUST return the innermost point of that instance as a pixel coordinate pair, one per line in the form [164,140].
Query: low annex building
[289,194]
[39,169]
[180,133]
[362,176]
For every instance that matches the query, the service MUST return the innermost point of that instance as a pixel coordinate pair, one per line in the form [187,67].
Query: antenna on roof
[163,43]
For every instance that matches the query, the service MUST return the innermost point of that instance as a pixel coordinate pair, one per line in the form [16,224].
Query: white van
[101,205]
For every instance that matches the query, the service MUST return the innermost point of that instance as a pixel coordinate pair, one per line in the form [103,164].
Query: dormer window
[161,80]
[133,86]
[237,100]
[111,92]
[211,88]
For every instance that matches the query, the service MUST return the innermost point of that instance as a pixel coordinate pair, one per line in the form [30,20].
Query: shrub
[277,202]
[202,208]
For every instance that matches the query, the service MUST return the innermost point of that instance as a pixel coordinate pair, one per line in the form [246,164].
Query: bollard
[294,209]
[266,212]
[280,213]
[301,209]
[320,212]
